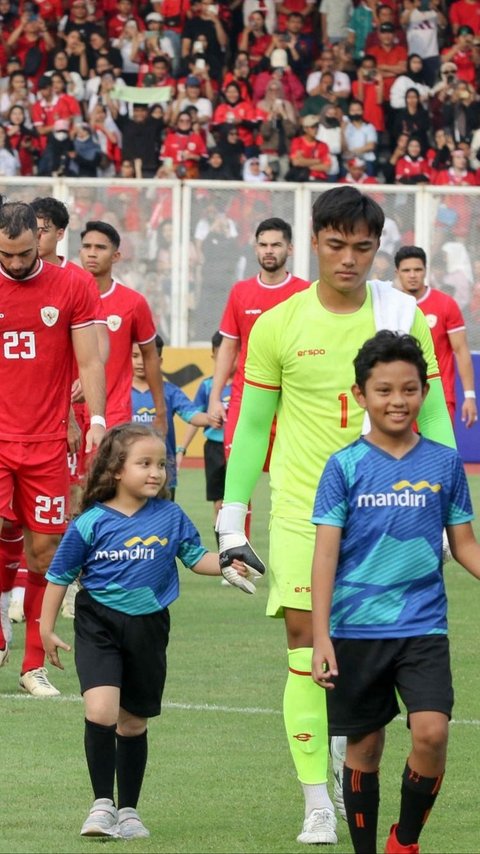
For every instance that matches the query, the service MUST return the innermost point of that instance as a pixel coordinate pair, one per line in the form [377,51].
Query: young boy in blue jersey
[378,593]
[125,543]
[176,403]
[213,449]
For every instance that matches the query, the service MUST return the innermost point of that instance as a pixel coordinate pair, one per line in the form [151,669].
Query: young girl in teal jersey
[124,545]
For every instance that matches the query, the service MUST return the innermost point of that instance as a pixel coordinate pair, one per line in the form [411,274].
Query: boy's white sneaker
[319,828]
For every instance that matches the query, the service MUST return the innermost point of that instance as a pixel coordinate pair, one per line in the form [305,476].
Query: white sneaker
[130,825]
[4,654]
[338,750]
[15,610]
[68,605]
[6,623]
[319,827]
[102,819]
[37,684]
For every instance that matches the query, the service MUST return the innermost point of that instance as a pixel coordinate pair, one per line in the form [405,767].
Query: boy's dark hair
[109,459]
[275,224]
[51,210]
[104,228]
[159,344]
[410,252]
[387,346]
[17,217]
[217,338]
[343,208]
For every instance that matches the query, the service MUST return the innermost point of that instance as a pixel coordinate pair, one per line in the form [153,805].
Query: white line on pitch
[200,707]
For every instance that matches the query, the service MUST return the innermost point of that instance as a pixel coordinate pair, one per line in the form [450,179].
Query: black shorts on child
[371,672]
[215,466]
[129,652]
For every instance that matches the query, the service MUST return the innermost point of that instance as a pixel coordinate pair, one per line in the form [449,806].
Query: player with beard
[247,300]
[47,319]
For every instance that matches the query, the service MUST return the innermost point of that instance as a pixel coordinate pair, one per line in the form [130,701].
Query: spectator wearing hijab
[414,78]
[232,150]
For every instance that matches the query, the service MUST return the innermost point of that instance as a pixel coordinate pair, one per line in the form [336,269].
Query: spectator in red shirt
[461,54]
[368,89]
[254,39]
[31,42]
[124,13]
[391,59]
[240,75]
[48,109]
[357,173]
[413,168]
[59,88]
[240,113]
[385,15]
[309,155]
[279,69]
[465,12]
[182,150]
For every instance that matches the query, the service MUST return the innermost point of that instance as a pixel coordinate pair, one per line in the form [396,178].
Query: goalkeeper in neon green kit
[300,367]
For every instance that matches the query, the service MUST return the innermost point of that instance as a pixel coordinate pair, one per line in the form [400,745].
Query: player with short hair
[129,321]
[247,301]
[299,369]
[378,592]
[47,319]
[445,319]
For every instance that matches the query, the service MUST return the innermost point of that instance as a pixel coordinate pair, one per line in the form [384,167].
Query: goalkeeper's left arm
[249,450]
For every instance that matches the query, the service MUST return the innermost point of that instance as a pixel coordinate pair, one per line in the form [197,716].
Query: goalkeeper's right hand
[235,546]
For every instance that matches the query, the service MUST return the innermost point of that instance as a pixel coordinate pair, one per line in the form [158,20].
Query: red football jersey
[37,315]
[247,300]
[129,321]
[443,317]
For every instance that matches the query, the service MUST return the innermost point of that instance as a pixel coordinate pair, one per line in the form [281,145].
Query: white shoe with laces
[102,819]
[319,828]
[35,682]
[130,825]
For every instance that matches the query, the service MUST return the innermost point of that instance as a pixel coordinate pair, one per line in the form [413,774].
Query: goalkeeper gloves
[233,545]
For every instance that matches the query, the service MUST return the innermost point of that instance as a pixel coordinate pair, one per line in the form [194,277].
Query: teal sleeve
[434,420]
[250,442]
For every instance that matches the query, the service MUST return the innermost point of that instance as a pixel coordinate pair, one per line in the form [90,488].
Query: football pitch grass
[220,777]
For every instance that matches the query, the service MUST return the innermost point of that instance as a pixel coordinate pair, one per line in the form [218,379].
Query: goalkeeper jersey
[307,351]
[389,579]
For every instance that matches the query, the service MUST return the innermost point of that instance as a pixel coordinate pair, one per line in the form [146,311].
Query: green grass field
[220,777]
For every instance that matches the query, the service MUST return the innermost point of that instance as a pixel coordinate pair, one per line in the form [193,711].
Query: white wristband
[98,419]
[469,394]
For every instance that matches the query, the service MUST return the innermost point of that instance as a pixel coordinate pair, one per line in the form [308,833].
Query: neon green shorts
[292,543]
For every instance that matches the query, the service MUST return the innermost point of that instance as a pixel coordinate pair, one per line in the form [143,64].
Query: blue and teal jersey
[128,562]
[177,403]
[389,580]
[201,401]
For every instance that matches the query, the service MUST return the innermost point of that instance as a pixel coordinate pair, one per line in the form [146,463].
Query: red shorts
[34,484]
[229,430]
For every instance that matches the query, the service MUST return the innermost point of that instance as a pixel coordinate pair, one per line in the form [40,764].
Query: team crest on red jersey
[114,322]
[49,315]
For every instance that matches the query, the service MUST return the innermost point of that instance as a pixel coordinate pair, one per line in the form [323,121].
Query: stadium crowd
[258,90]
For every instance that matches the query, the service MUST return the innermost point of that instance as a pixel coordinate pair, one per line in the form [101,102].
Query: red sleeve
[454,319]
[83,303]
[229,322]
[143,326]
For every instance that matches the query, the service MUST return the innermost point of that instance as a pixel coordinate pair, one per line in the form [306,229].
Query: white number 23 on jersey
[50,511]
[19,345]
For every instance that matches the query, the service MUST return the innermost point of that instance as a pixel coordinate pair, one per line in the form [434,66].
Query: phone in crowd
[197,47]
[200,64]
[263,160]
[213,9]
